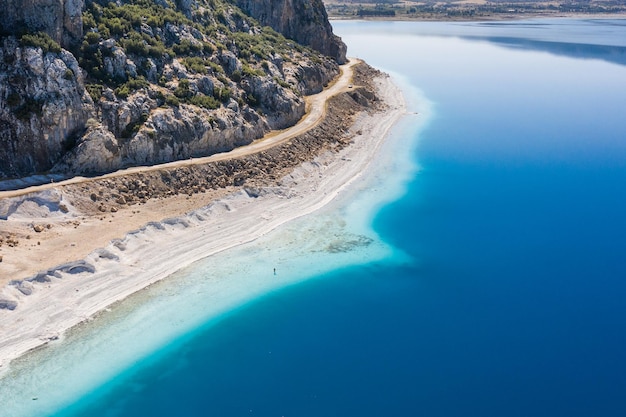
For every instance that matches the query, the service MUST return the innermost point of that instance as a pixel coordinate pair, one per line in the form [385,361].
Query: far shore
[480,18]
[133,247]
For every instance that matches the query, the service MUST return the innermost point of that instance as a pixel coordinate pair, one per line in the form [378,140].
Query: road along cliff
[146,82]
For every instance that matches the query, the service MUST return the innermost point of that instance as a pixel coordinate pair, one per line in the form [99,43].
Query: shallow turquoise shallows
[494,286]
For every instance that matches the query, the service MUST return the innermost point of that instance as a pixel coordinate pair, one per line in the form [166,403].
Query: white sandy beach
[72,293]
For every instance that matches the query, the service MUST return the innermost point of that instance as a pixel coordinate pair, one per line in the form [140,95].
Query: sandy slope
[67,295]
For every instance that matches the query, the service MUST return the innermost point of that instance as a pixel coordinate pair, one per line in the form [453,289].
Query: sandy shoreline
[72,293]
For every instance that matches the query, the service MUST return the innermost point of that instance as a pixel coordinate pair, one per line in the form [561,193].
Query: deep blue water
[514,303]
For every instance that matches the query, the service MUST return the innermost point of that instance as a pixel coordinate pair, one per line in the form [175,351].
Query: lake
[494,286]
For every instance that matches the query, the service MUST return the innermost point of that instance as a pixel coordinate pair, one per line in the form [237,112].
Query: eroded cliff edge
[150,82]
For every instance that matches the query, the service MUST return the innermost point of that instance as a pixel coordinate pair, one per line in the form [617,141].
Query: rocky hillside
[153,81]
[305,21]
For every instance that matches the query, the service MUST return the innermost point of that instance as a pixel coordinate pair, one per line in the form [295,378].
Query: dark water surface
[514,301]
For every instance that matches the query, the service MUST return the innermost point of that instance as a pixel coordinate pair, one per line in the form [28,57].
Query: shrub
[172,101]
[95,91]
[186,47]
[183,91]
[251,72]
[222,94]
[136,45]
[92,38]
[207,102]
[282,83]
[236,76]
[41,40]
[133,84]
[196,64]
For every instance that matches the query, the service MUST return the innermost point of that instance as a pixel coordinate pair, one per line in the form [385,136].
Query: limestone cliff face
[304,21]
[61,19]
[43,107]
[170,81]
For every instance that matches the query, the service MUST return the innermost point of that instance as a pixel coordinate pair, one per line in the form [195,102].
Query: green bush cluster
[282,83]
[199,65]
[222,94]
[40,40]
[247,70]
[133,84]
[145,46]
[183,94]
[95,91]
[205,101]
[172,101]
[252,46]
[186,47]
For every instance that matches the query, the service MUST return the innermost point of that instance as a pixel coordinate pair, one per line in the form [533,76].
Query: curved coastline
[126,266]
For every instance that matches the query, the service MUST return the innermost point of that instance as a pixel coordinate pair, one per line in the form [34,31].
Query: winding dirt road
[316,109]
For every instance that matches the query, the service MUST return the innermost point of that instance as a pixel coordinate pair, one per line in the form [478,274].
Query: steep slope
[165,81]
[305,21]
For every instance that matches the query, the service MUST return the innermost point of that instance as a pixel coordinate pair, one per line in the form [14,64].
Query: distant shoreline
[480,18]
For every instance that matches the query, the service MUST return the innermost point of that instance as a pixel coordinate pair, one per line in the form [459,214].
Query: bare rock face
[304,21]
[187,131]
[281,106]
[97,151]
[61,19]
[43,107]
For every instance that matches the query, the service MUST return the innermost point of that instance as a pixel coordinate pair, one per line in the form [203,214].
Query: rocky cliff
[149,82]
[304,21]
[43,107]
[60,19]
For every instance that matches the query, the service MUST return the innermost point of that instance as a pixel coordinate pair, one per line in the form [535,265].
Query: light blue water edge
[153,324]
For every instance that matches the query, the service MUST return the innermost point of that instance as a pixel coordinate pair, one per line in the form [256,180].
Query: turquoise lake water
[496,283]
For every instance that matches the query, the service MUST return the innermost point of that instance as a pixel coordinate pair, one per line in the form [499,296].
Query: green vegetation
[131,85]
[172,101]
[222,94]
[207,102]
[95,91]
[40,40]
[200,65]
[248,71]
[378,11]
